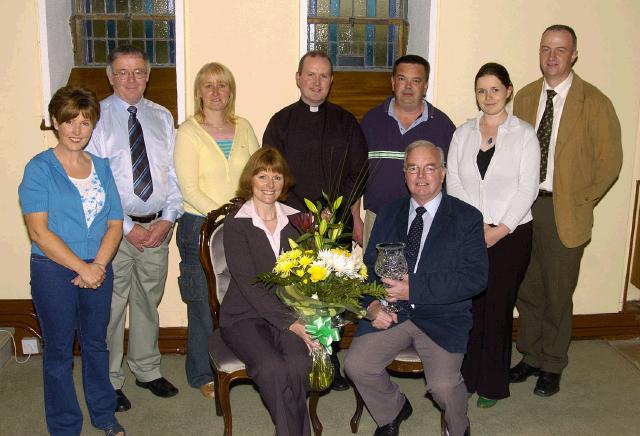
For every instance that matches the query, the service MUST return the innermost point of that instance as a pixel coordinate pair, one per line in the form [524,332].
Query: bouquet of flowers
[319,278]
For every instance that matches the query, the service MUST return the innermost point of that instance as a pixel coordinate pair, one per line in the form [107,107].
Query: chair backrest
[212,255]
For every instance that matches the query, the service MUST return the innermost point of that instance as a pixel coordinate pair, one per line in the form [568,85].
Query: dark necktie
[413,239]
[142,183]
[544,133]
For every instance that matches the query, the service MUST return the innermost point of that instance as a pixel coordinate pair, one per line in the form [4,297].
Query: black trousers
[278,362]
[486,366]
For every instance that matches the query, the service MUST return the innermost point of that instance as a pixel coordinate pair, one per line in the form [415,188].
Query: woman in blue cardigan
[72,211]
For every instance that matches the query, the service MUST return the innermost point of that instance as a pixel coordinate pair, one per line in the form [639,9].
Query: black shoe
[521,372]
[339,382]
[393,428]
[160,387]
[122,402]
[548,384]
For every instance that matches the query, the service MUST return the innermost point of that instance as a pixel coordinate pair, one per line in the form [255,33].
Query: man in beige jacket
[581,156]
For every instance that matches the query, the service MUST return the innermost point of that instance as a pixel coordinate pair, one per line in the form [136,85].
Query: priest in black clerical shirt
[324,147]
[323,144]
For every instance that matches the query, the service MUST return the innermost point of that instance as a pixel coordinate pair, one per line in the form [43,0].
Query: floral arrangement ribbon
[320,328]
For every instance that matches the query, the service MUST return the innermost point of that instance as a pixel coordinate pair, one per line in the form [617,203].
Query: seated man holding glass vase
[447,265]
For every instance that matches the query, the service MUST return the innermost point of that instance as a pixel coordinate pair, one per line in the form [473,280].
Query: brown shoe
[208,390]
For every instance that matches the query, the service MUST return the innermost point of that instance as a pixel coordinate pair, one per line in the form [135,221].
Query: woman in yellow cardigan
[212,148]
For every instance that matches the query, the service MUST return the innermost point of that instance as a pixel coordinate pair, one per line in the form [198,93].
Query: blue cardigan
[452,269]
[46,187]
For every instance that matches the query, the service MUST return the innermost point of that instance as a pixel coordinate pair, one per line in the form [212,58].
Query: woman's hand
[492,235]
[91,275]
[299,329]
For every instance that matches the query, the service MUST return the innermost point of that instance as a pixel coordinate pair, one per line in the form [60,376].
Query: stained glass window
[101,25]
[358,34]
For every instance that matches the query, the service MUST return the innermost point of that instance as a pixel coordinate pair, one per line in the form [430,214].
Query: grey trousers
[545,299]
[138,284]
[370,354]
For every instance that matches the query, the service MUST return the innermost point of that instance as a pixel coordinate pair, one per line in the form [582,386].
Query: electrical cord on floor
[15,349]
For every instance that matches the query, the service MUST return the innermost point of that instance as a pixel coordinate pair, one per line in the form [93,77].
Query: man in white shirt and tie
[580,158]
[137,135]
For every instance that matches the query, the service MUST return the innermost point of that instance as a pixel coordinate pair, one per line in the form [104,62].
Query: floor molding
[20,314]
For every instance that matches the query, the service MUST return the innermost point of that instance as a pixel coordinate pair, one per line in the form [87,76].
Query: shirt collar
[431,206]
[124,104]
[282,211]
[423,118]
[563,87]
[313,109]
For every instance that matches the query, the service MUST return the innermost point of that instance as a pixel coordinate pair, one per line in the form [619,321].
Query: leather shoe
[393,428]
[521,372]
[339,383]
[122,402]
[160,387]
[548,384]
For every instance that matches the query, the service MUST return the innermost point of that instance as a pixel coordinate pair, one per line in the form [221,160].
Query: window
[358,34]
[98,26]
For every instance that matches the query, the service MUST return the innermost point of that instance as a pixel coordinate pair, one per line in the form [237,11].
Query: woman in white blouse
[493,164]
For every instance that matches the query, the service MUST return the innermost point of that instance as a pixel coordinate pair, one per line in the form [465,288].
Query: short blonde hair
[222,74]
[265,159]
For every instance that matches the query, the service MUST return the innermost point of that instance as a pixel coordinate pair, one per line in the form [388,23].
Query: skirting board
[622,325]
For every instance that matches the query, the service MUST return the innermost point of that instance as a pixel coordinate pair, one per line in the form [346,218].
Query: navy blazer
[248,253]
[453,267]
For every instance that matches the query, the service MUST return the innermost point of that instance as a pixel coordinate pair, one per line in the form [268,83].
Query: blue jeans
[64,309]
[194,292]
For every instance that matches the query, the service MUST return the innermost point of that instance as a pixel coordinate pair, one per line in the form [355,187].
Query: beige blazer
[588,154]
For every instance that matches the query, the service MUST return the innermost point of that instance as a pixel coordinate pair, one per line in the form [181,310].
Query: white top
[510,185]
[248,210]
[111,140]
[558,105]
[91,193]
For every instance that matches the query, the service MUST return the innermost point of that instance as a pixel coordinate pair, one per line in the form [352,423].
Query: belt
[542,193]
[146,218]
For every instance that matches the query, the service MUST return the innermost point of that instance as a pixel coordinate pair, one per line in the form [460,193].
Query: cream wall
[508,31]
[259,42]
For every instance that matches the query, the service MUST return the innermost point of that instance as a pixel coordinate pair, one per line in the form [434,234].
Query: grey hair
[425,144]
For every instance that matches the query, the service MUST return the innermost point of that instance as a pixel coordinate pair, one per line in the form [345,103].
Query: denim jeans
[194,292]
[64,309]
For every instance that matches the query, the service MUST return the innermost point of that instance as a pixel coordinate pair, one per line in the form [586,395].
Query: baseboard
[20,315]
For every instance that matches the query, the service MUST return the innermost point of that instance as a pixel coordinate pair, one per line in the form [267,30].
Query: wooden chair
[406,362]
[227,367]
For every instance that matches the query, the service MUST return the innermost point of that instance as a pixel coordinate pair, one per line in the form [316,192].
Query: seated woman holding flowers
[261,330]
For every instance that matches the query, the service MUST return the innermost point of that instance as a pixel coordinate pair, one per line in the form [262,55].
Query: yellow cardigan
[206,178]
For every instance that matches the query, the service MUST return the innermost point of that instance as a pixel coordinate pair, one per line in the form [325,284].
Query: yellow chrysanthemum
[305,261]
[363,272]
[294,254]
[284,267]
[300,272]
[317,273]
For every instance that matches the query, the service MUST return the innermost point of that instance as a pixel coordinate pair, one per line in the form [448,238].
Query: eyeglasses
[427,169]
[123,75]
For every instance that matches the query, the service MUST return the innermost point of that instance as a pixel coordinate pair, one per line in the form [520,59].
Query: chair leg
[313,413]
[225,403]
[217,391]
[355,420]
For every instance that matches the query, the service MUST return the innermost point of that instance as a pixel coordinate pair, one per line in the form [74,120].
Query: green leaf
[337,203]
[323,227]
[318,240]
[326,197]
[292,244]
[312,208]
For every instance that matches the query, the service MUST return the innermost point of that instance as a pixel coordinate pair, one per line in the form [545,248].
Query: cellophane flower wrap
[319,278]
